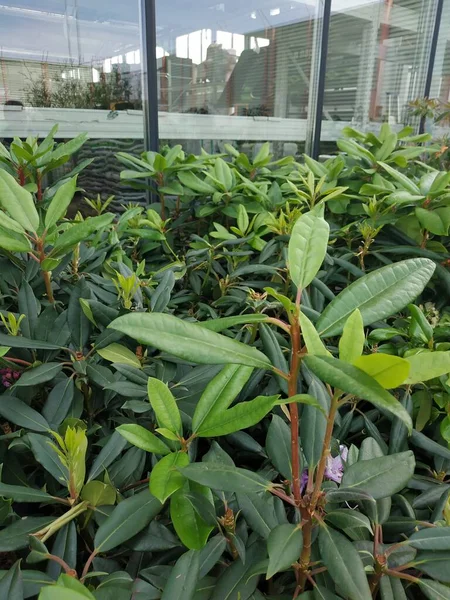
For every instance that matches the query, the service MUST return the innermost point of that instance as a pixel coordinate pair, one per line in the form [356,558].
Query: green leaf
[242,218]
[60,202]
[80,231]
[303,399]
[344,564]
[307,247]
[13,242]
[60,592]
[356,150]
[313,423]
[190,527]
[18,202]
[311,338]
[78,323]
[11,585]
[377,295]
[239,417]
[142,438]
[59,402]
[403,180]
[434,564]
[352,380]
[98,493]
[16,341]
[435,538]
[15,536]
[390,371]
[284,546]
[195,184]
[165,478]
[26,494]
[381,477]
[435,221]
[164,405]
[126,520]
[116,353]
[434,590]
[278,446]
[226,478]
[19,413]
[259,512]
[220,393]
[188,341]
[351,344]
[47,456]
[183,578]
[40,374]
[107,455]
[427,365]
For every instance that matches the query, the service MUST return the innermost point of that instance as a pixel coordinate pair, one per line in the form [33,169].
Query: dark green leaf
[21,414]
[284,545]
[40,374]
[126,520]
[226,478]
[182,582]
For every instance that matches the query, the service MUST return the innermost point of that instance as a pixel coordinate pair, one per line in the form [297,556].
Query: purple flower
[8,376]
[334,469]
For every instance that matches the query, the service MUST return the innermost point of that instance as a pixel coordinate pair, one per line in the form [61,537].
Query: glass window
[77,64]
[377,60]
[235,71]
[440,84]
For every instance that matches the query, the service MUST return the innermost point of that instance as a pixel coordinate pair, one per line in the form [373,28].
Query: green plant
[224,406]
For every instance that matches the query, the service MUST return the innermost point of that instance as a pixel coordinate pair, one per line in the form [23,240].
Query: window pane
[377,60]
[76,63]
[233,70]
[440,86]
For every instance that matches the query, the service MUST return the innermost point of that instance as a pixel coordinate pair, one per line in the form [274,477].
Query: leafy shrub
[226,395]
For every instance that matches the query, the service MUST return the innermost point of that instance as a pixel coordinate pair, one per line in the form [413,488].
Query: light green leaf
[352,380]
[351,344]
[436,221]
[60,202]
[80,231]
[190,527]
[302,399]
[220,393]
[344,564]
[390,371]
[403,180]
[12,241]
[18,202]
[284,546]
[164,405]
[165,478]
[380,477]
[142,438]
[188,341]
[307,247]
[117,353]
[377,295]
[311,338]
[427,365]
[237,418]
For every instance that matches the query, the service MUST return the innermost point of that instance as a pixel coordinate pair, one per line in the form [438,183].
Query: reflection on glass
[377,59]
[76,63]
[232,60]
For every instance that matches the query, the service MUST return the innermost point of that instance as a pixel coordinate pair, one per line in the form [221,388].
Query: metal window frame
[432,57]
[149,74]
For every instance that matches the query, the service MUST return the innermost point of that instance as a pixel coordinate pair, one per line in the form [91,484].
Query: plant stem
[45,274]
[87,565]
[293,409]
[18,361]
[325,450]
[62,563]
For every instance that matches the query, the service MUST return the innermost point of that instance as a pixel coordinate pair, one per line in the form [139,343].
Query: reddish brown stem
[135,485]
[45,274]
[18,361]
[62,563]
[325,451]
[39,186]
[21,174]
[283,496]
[393,573]
[87,565]
[293,410]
